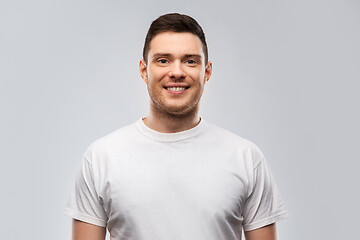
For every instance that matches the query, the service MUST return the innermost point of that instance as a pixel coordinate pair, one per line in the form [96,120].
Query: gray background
[285,77]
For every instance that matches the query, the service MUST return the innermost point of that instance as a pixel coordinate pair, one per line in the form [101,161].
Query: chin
[180,111]
[185,108]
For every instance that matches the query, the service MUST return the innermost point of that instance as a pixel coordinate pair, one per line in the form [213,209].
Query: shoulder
[110,143]
[234,142]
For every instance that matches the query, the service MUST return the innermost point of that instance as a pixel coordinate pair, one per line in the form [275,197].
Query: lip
[176,85]
[176,92]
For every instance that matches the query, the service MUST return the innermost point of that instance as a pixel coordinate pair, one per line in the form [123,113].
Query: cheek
[196,74]
[156,77]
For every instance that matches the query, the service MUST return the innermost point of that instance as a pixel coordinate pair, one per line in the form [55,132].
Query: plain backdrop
[286,76]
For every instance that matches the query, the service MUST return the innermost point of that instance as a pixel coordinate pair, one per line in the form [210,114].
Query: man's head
[174,22]
[175,65]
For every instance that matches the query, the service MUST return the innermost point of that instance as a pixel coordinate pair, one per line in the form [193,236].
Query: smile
[176,88]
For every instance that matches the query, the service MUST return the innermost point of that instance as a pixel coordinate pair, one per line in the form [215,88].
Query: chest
[176,183]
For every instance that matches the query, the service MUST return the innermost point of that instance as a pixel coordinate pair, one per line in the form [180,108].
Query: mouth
[176,90]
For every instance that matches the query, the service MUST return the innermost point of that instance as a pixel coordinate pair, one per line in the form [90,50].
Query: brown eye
[191,62]
[163,61]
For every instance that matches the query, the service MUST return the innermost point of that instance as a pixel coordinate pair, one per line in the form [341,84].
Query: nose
[177,71]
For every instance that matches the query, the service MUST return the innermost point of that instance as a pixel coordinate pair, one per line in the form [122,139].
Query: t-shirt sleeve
[264,205]
[84,203]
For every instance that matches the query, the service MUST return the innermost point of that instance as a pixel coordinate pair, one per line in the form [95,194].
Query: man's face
[175,72]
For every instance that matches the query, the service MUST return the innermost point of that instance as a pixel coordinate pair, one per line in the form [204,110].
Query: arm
[265,233]
[86,231]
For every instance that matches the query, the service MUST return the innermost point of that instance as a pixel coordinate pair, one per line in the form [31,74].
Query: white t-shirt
[204,183]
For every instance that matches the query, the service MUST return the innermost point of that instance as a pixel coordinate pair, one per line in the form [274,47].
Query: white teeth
[176,88]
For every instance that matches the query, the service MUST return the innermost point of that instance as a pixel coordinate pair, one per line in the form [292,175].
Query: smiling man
[175,69]
[171,174]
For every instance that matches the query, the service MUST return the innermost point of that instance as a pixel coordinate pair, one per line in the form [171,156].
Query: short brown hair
[174,22]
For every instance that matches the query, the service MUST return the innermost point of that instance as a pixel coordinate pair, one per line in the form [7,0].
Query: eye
[191,62]
[162,61]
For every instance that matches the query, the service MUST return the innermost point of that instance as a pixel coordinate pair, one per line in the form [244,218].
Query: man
[172,175]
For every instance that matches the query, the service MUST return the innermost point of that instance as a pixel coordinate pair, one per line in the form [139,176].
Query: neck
[170,123]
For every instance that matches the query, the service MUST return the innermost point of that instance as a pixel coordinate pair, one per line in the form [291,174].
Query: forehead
[176,44]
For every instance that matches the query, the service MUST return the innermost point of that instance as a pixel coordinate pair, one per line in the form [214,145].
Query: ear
[208,71]
[143,70]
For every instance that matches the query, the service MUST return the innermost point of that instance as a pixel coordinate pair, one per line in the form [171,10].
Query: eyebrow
[157,55]
[193,55]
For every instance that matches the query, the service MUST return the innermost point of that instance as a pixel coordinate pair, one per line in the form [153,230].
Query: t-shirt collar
[170,137]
